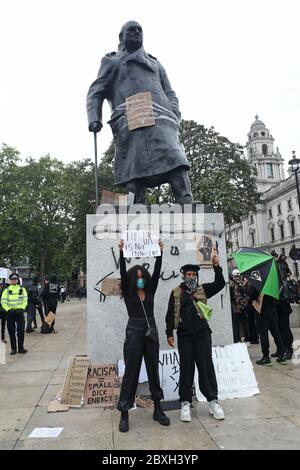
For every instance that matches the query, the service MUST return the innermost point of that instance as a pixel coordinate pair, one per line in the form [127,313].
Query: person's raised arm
[212,288]
[123,272]
[157,268]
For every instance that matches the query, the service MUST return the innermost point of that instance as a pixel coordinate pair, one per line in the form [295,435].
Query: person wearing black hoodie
[194,337]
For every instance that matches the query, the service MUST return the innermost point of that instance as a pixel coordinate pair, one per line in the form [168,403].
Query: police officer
[14,302]
[50,296]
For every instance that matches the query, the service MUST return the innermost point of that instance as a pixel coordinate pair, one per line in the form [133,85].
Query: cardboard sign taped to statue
[139,110]
[206,248]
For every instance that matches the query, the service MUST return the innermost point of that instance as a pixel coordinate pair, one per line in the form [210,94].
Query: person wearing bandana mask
[194,337]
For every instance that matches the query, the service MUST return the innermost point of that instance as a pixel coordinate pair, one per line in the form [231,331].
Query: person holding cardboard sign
[139,288]
[188,314]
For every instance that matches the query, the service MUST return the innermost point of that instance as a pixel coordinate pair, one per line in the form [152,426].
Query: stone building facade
[276,223]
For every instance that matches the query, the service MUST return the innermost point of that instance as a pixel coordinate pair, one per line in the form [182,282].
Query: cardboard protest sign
[206,248]
[111,286]
[140,243]
[108,197]
[50,318]
[139,110]
[102,388]
[75,381]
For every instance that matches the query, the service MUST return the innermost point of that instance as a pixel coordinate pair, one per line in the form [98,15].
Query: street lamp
[295,165]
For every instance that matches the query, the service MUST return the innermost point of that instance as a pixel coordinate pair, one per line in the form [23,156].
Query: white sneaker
[215,410]
[185,414]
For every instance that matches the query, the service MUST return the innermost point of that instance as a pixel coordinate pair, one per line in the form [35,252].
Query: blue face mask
[140,283]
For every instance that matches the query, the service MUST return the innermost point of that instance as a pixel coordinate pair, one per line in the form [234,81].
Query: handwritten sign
[169,373]
[75,381]
[49,318]
[234,373]
[140,244]
[111,286]
[3,273]
[139,110]
[102,386]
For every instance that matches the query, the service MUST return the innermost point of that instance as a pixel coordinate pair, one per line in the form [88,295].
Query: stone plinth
[107,318]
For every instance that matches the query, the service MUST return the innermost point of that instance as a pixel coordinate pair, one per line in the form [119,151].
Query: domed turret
[260,152]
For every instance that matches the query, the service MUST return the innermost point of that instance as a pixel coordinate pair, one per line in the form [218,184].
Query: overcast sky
[226,59]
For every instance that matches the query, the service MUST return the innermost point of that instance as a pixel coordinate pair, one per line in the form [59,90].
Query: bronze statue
[144,121]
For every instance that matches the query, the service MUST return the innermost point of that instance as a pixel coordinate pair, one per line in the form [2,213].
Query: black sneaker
[264,361]
[275,354]
[282,359]
[13,352]
[289,354]
[23,351]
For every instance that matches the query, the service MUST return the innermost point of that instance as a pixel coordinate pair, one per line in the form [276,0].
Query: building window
[289,203]
[270,214]
[292,228]
[264,149]
[237,244]
[263,133]
[255,134]
[251,219]
[270,173]
[283,251]
[272,234]
[252,239]
[281,231]
[279,209]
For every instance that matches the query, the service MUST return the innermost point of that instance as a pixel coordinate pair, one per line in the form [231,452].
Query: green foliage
[220,174]
[44,202]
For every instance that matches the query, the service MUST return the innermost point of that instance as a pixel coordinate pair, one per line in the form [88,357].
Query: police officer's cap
[14,276]
[190,267]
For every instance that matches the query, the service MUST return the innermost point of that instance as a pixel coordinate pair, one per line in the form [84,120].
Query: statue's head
[131,36]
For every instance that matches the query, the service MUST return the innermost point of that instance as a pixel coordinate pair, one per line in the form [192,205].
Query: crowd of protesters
[253,316]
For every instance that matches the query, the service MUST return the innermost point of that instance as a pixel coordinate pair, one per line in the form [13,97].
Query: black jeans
[285,330]
[268,320]
[253,334]
[240,319]
[3,324]
[194,349]
[14,319]
[136,347]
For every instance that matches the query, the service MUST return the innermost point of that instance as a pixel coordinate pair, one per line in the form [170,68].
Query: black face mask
[191,283]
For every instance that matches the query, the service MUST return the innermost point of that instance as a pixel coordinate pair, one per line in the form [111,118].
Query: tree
[12,244]
[220,174]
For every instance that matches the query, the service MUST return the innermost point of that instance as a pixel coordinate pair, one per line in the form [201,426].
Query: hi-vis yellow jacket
[14,298]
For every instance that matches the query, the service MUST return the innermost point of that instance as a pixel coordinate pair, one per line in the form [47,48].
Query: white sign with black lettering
[3,273]
[234,373]
[169,373]
[140,243]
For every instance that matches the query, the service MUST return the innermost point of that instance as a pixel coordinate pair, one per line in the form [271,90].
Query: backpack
[45,328]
